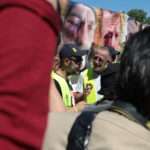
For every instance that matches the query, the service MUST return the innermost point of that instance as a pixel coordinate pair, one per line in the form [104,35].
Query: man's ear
[67,61]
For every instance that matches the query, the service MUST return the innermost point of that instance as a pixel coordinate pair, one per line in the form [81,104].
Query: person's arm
[56,102]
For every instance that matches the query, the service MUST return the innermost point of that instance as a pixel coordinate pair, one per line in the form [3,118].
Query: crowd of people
[50,67]
[91,76]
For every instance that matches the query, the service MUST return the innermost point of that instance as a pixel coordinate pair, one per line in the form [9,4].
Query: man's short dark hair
[134,78]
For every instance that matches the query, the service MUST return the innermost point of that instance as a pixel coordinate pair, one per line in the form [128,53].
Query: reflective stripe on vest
[148,125]
[66,95]
[88,79]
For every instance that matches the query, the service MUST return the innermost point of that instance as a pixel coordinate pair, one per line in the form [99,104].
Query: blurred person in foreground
[29,31]
[124,124]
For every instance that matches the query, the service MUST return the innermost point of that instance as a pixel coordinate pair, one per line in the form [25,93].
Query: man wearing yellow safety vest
[92,75]
[70,61]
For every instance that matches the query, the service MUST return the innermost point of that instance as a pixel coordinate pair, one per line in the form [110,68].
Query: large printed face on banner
[79,26]
[110,28]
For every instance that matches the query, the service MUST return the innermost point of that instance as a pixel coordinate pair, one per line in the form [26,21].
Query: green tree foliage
[138,14]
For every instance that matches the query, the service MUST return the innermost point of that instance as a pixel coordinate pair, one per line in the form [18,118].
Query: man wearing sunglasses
[70,63]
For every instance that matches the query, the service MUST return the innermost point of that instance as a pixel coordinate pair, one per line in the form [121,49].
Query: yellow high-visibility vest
[148,125]
[66,93]
[88,79]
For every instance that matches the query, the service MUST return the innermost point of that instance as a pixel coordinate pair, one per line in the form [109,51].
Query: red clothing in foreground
[28,36]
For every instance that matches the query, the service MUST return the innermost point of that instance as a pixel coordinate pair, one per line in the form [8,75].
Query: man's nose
[97,61]
[83,34]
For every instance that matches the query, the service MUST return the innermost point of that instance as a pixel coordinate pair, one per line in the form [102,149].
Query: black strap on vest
[79,135]
[80,132]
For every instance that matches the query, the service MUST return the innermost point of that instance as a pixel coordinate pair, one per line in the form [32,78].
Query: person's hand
[81,105]
[78,96]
